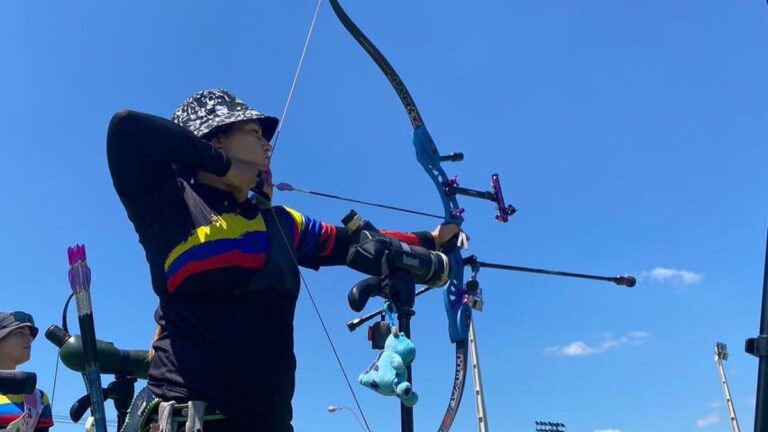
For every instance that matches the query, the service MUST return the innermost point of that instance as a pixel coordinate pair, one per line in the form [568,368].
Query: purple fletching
[79,272]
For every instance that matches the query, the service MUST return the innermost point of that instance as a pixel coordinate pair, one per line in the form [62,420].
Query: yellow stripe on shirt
[12,398]
[297,217]
[227,226]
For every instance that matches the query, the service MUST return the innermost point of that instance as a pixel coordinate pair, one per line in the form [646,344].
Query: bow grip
[362,291]
[78,409]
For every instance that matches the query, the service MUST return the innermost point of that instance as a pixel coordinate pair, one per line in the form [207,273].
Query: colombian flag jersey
[12,407]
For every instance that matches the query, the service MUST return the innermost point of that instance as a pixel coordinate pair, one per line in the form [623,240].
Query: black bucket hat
[212,108]
[10,321]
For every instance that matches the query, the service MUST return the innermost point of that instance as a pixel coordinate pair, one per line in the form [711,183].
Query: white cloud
[577,348]
[673,276]
[707,421]
[581,348]
[715,404]
[607,430]
[637,334]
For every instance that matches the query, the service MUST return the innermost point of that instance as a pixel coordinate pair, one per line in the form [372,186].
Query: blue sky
[631,136]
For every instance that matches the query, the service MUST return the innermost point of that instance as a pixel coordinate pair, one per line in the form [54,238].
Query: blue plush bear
[387,375]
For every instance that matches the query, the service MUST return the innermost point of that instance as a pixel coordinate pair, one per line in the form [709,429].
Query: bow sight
[452,188]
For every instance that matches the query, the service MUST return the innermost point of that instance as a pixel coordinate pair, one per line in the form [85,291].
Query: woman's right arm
[142,151]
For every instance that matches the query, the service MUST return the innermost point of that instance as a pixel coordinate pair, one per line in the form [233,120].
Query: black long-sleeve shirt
[224,271]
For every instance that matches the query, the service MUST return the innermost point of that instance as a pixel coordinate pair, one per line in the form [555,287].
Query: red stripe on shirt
[229,259]
[44,422]
[328,236]
[411,239]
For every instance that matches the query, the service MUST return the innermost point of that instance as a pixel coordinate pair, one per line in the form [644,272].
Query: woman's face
[15,348]
[246,143]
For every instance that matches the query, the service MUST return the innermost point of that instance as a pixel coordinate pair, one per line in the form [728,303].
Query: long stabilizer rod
[472,261]
[627,281]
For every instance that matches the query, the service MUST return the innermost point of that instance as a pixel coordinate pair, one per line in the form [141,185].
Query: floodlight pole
[482,418]
[721,355]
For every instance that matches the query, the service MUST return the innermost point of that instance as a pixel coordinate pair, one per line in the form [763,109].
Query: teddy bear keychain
[387,375]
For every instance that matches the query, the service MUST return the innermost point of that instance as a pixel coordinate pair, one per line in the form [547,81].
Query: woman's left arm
[319,244]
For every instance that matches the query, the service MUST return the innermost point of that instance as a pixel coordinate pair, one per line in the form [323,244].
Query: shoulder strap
[280,262]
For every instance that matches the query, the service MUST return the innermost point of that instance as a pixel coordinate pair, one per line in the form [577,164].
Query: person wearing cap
[225,267]
[18,412]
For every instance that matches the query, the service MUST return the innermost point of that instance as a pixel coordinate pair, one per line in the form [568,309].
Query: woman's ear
[218,142]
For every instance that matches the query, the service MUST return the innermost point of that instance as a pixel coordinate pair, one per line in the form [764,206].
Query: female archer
[225,267]
[21,412]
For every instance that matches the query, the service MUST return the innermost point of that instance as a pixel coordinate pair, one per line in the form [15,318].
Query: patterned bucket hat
[10,321]
[212,108]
